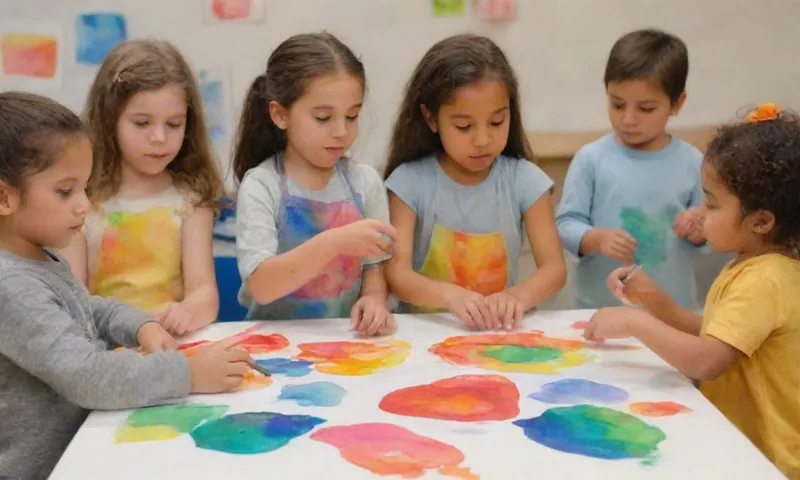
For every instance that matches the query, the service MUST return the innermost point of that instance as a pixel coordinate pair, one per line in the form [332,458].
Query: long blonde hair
[143,65]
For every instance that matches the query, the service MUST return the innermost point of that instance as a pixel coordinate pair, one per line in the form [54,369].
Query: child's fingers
[355,315]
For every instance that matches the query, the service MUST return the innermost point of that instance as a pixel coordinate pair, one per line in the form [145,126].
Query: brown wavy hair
[450,64]
[145,65]
[294,64]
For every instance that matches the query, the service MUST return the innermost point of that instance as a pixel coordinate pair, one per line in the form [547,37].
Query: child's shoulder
[265,172]
[686,151]
[420,167]
[597,148]
[363,173]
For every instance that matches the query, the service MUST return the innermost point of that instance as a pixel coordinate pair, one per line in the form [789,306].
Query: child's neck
[137,185]
[19,246]
[461,175]
[756,251]
[304,173]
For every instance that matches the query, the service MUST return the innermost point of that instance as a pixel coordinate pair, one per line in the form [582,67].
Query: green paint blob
[597,432]
[252,432]
[182,418]
[518,354]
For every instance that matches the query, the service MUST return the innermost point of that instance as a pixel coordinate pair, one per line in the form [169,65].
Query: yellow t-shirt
[754,306]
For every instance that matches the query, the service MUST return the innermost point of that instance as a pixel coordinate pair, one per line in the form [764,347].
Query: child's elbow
[707,370]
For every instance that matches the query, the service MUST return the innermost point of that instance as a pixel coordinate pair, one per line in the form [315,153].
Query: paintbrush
[262,370]
[630,275]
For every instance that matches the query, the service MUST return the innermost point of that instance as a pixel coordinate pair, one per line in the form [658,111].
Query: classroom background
[741,54]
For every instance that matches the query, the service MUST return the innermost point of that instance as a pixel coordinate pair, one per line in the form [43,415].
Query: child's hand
[218,367]
[364,238]
[638,289]
[689,225]
[607,323]
[469,307]
[370,316]
[506,309]
[175,318]
[153,338]
[618,244]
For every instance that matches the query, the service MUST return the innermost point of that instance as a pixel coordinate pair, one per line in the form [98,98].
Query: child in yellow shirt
[745,349]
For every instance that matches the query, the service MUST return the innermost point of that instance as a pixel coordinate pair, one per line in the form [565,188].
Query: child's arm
[551,272]
[76,255]
[201,297]
[39,334]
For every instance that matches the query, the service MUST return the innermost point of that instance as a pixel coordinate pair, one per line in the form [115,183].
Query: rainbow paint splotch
[525,352]
[591,431]
[354,358]
[252,432]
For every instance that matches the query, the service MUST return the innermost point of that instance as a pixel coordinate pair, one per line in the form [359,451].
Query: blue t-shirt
[611,186]
[470,235]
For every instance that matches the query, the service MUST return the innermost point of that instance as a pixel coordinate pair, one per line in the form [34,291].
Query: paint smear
[253,381]
[658,409]
[574,390]
[386,449]
[252,343]
[597,432]
[464,398]
[286,366]
[525,352]
[315,394]
[165,422]
[252,432]
[354,358]
[580,324]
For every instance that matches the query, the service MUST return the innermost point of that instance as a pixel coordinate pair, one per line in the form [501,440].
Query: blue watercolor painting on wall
[96,34]
[212,90]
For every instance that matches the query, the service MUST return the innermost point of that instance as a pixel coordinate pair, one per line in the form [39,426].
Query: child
[744,349]
[625,192]
[464,191]
[54,361]
[148,240]
[306,215]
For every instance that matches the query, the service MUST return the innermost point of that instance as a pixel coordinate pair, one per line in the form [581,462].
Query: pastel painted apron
[334,291]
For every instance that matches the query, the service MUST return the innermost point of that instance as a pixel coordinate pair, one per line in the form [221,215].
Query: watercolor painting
[252,432]
[96,34]
[597,432]
[353,357]
[464,398]
[651,233]
[496,10]
[214,84]
[31,54]
[286,366]
[386,449]
[448,8]
[575,390]
[658,409]
[252,343]
[235,11]
[524,352]
[315,394]
[165,422]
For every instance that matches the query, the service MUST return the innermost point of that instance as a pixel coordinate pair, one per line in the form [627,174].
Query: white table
[699,444]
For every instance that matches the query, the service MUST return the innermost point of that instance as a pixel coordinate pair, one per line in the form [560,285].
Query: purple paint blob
[574,390]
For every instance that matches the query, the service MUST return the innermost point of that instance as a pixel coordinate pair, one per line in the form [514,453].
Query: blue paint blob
[574,390]
[316,394]
[252,432]
[286,366]
[96,34]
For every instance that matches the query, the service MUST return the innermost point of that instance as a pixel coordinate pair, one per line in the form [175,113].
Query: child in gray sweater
[55,360]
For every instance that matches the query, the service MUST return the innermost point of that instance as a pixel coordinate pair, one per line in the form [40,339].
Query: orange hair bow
[764,112]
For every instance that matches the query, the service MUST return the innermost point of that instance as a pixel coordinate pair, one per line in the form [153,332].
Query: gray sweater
[55,362]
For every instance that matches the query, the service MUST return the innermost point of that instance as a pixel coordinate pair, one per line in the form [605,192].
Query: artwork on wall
[448,8]
[96,34]
[496,10]
[214,84]
[31,54]
[234,11]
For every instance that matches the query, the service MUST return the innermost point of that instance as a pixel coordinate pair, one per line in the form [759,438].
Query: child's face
[639,111]
[151,129]
[322,124]
[723,225]
[54,204]
[474,124]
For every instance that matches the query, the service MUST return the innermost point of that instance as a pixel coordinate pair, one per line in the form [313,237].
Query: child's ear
[676,107]
[9,199]
[763,222]
[430,118]
[279,115]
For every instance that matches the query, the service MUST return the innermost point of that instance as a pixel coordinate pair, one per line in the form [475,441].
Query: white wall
[740,49]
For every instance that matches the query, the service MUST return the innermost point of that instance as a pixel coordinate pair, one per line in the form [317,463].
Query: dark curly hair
[760,164]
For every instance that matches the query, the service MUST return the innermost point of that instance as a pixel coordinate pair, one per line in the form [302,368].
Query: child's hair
[33,129]
[291,68]
[759,161]
[450,64]
[652,55]
[145,65]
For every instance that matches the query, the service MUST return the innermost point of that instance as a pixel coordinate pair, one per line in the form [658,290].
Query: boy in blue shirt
[631,196]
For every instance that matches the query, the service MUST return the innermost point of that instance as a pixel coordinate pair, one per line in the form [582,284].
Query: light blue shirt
[494,206]
[611,186]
